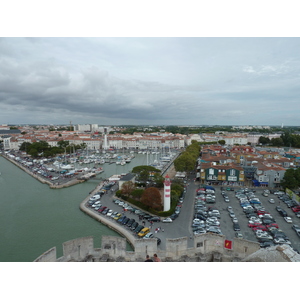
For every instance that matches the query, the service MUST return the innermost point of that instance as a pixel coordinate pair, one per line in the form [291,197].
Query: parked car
[288,219]
[121,219]
[280,240]
[144,231]
[282,212]
[167,220]
[236,227]
[238,235]
[118,216]
[155,219]
[102,209]
[149,235]
[232,215]
[105,211]
[296,208]
[130,222]
[296,228]
[125,221]
[266,244]
[109,213]
[134,226]
[138,228]
[229,208]
[174,216]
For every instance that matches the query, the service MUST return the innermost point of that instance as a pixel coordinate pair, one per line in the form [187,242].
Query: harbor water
[35,218]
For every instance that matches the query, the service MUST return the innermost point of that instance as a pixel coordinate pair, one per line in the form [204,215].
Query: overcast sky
[151,81]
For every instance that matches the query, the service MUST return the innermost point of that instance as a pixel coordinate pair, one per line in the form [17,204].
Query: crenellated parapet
[207,247]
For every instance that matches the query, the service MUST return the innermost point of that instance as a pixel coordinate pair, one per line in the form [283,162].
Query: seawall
[109,223]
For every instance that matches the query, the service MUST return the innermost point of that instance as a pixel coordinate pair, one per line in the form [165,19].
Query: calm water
[35,218]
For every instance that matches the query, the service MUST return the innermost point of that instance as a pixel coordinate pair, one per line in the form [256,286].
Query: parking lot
[264,208]
[228,212]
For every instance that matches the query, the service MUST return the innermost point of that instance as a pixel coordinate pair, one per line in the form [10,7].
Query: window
[232,172]
[211,172]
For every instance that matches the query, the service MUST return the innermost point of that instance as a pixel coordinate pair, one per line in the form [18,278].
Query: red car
[260,227]
[102,209]
[261,212]
[296,208]
[255,224]
[272,225]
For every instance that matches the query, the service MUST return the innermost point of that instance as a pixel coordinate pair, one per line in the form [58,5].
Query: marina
[34,217]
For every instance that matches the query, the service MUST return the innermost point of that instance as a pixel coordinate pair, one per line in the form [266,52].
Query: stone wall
[207,247]
[48,256]
[79,249]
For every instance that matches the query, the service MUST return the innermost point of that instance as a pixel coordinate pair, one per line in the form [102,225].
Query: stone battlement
[207,247]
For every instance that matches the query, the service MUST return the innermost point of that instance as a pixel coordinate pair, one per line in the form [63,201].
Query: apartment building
[231,174]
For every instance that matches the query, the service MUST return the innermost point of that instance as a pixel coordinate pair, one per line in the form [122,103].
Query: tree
[25,146]
[277,142]
[158,180]
[63,144]
[263,140]
[185,162]
[127,188]
[289,179]
[144,175]
[137,194]
[152,198]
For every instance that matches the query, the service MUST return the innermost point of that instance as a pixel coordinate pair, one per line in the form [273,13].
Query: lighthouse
[167,193]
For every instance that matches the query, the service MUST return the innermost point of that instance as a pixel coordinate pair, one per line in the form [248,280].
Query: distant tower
[167,193]
[105,139]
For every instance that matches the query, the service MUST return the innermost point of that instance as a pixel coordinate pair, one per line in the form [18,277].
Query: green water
[35,218]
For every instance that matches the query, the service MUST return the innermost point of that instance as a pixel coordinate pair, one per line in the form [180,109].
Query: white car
[288,219]
[95,197]
[271,200]
[167,220]
[110,212]
[281,241]
[149,235]
[264,235]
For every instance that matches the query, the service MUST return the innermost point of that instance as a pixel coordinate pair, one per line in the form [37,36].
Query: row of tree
[287,139]
[187,160]
[42,148]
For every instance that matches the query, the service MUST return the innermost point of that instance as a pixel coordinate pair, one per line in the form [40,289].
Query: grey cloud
[148,80]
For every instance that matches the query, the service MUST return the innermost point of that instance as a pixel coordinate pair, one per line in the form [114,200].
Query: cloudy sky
[151,81]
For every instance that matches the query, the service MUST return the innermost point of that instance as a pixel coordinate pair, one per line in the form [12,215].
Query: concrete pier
[104,220]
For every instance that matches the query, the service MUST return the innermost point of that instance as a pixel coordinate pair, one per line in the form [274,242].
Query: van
[143,232]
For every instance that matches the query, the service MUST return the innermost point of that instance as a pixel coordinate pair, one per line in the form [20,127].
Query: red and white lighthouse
[167,193]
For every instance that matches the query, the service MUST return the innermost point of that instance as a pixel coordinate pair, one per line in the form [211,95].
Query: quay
[52,185]
[108,222]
